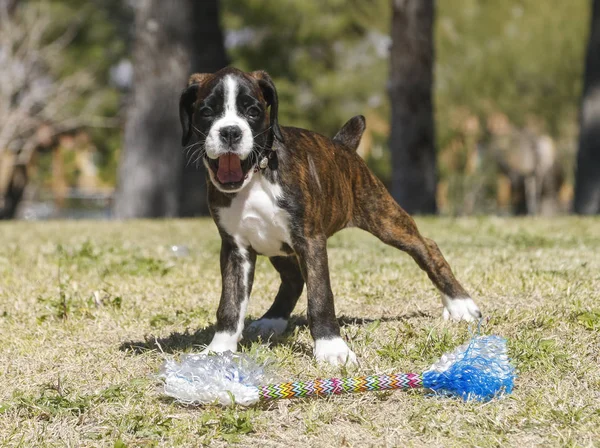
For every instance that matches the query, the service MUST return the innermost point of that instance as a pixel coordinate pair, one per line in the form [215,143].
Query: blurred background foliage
[102,40]
[518,59]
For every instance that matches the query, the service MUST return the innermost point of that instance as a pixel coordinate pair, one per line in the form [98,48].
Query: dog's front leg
[237,275]
[324,328]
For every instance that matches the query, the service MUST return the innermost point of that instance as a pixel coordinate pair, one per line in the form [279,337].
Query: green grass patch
[89,311]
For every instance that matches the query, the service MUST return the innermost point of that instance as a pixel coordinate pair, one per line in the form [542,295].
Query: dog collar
[264,162]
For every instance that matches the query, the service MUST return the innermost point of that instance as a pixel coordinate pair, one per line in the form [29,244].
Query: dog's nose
[230,134]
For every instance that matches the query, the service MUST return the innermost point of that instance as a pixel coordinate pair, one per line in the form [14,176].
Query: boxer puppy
[281,192]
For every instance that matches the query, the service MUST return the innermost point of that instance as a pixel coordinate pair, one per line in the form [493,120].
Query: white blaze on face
[230,117]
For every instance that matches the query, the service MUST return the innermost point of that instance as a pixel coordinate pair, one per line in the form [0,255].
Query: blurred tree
[172,40]
[330,61]
[328,58]
[412,140]
[38,92]
[101,43]
[587,186]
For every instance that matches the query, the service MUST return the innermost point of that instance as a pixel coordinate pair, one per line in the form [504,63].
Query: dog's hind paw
[334,351]
[460,309]
[266,327]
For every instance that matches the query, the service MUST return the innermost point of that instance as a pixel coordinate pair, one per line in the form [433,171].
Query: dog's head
[234,118]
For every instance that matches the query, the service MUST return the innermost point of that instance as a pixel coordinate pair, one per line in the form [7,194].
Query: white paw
[268,327]
[334,351]
[222,342]
[460,309]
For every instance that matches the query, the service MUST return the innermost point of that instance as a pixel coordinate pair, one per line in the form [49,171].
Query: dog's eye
[253,112]
[206,112]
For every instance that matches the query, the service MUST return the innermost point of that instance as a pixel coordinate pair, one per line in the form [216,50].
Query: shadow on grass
[174,343]
[199,339]
[344,321]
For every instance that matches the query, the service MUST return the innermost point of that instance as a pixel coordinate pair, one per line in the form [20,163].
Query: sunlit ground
[82,305]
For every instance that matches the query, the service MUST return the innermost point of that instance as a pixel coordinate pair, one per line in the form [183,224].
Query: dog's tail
[351,132]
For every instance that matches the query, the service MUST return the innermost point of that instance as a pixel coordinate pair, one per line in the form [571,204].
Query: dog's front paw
[460,309]
[266,327]
[221,342]
[334,351]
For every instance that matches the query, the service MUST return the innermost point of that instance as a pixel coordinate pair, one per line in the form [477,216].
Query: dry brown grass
[82,304]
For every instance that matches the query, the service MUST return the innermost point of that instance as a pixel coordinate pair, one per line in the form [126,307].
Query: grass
[88,312]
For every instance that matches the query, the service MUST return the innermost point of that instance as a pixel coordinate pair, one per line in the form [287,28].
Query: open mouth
[229,170]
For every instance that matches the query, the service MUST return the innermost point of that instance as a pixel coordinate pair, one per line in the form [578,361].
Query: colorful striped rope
[335,386]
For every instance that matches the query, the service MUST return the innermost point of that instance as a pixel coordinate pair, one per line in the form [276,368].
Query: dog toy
[479,370]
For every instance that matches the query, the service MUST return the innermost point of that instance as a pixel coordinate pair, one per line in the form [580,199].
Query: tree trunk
[412,140]
[14,192]
[13,177]
[587,182]
[173,39]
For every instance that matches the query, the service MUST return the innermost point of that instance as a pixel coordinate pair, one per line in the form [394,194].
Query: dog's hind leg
[275,320]
[378,213]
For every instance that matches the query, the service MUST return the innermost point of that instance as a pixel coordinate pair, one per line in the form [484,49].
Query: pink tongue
[230,169]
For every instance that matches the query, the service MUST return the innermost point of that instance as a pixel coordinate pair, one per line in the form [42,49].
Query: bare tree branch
[31,95]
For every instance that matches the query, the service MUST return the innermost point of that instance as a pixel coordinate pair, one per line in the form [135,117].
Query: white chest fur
[254,218]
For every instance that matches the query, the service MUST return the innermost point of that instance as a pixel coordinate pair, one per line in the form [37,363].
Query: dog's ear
[198,78]
[270,93]
[186,104]
[186,110]
[351,132]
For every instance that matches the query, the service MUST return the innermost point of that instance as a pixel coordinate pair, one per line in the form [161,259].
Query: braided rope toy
[479,370]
